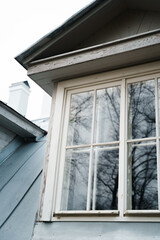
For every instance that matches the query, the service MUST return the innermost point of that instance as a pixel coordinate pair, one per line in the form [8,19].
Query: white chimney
[18,97]
[46,106]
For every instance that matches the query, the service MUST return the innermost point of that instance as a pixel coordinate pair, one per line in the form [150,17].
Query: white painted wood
[122,176]
[91,154]
[44,210]
[95,52]
[89,213]
[157,136]
[134,50]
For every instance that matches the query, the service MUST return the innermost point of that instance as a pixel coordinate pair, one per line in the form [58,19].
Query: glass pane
[106,178]
[142,177]
[107,115]
[141,110]
[75,181]
[80,119]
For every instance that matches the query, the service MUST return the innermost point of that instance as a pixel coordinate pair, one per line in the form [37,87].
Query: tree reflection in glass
[80,119]
[141,110]
[142,159]
[142,182]
[106,197]
[75,181]
[102,162]
[107,115]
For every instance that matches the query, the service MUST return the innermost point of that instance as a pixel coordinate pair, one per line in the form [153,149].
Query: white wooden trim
[157,137]
[62,145]
[94,145]
[50,187]
[108,218]
[121,174]
[87,213]
[141,140]
[90,54]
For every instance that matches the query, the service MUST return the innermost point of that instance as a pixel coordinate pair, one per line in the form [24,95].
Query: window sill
[86,213]
[150,213]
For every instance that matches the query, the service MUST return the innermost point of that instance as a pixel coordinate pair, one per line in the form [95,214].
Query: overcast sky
[23,22]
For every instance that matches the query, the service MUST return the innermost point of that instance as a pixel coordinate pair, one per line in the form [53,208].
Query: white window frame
[51,208]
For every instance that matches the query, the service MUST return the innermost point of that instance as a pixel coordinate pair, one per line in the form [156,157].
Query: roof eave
[36,47]
[18,124]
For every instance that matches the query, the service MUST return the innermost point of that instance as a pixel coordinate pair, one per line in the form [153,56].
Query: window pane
[142,177]
[107,115]
[106,178]
[141,110]
[75,182]
[80,119]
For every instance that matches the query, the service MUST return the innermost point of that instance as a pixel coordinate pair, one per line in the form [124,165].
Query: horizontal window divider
[144,144]
[105,144]
[141,140]
[78,146]
[94,145]
[153,213]
[87,213]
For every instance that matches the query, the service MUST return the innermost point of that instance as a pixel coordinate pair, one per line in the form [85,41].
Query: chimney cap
[26,83]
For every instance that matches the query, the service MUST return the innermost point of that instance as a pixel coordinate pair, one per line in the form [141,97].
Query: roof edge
[64,26]
[15,122]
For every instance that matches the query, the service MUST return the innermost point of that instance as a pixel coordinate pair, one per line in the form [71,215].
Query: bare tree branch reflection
[141,124]
[107,180]
[142,166]
[80,120]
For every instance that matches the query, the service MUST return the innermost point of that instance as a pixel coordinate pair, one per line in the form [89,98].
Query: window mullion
[91,154]
[157,137]
[95,161]
[122,150]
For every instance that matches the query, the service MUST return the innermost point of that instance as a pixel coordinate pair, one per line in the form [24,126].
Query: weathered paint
[104,57]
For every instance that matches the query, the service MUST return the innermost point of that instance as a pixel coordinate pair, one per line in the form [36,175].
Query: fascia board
[126,52]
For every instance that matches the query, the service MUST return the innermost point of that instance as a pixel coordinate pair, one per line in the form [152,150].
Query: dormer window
[105,150]
[92,139]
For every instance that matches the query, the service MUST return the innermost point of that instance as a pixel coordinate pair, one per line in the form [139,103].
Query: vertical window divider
[121,183]
[91,154]
[157,137]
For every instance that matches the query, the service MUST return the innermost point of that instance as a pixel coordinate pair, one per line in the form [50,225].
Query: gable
[128,23]
[93,25]
[101,37]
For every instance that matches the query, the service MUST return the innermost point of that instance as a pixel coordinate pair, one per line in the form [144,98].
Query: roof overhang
[55,57]
[122,53]
[78,27]
[15,122]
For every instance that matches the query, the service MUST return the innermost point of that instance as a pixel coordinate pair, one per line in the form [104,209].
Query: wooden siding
[19,188]
[127,24]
